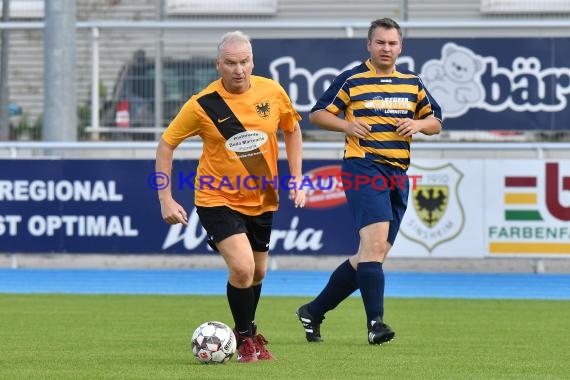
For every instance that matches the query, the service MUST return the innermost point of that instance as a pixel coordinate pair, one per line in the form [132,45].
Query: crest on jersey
[435,214]
[263,109]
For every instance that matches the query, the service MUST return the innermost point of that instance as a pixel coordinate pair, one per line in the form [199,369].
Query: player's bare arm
[294,147]
[429,126]
[172,212]
[326,120]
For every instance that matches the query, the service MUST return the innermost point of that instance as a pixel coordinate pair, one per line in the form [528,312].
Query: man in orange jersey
[384,106]
[237,117]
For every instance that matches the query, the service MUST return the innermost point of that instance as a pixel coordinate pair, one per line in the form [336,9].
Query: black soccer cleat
[379,332]
[311,325]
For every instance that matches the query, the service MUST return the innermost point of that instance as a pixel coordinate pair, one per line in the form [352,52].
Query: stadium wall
[513,203]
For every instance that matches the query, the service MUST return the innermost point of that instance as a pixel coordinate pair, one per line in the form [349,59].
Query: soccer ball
[213,343]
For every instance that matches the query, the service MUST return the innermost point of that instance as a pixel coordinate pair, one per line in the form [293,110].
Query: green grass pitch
[147,337]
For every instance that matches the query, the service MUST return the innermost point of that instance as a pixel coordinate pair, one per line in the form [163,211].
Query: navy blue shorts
[375,193]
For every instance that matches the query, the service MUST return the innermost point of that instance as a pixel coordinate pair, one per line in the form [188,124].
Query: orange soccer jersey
[238,165]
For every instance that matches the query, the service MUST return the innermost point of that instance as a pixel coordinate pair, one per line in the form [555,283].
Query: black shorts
[221,222]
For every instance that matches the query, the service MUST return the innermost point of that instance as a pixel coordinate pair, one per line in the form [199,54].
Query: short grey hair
[232,37]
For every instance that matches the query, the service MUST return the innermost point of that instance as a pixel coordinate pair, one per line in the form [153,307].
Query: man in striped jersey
[383,106]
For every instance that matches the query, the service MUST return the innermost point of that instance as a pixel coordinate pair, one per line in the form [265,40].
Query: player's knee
[381,248]
[259,275]
[375,251]
[242,276]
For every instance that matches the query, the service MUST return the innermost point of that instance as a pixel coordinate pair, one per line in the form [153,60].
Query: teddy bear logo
[455,80]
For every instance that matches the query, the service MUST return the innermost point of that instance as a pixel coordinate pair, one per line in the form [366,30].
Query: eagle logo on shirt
[263,109]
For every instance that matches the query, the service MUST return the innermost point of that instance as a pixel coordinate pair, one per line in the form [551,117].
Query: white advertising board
[527,209]
[478,208]
[444,217]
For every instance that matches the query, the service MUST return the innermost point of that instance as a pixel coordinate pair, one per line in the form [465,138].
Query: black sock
[241,304]
[256,296]
[371,283]
[342,283]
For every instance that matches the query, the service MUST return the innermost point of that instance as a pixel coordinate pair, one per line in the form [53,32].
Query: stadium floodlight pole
[95,95]
[404,14]
[4,89]
[159,74]
[60,101]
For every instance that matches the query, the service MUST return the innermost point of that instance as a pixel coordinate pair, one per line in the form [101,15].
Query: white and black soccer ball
[213,343]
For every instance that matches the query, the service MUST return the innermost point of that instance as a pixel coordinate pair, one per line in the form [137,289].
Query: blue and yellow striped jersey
[379,100]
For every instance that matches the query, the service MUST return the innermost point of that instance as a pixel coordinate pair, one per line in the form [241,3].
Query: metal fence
[121,63]
[192,149]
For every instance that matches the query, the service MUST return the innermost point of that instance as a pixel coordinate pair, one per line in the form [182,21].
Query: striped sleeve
[337,97]
[427,105]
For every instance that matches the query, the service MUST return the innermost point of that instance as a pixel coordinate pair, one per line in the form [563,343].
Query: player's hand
[296,194]
[298,197]
[358,128]
[407,127]
[173,213]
